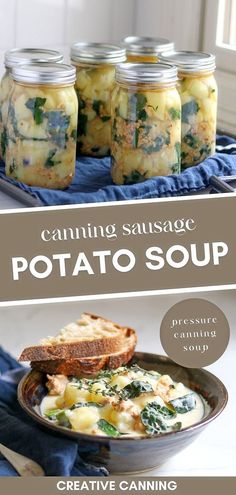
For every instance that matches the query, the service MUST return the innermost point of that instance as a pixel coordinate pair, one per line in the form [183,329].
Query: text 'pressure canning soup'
[42,125]
[128,401]
[95,77]
[198,91]
[13,58]
[146,123]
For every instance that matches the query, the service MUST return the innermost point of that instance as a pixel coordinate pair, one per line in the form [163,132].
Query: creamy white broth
[98,408]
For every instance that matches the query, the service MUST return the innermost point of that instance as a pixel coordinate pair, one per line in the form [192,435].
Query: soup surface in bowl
[131,453]
[128,401]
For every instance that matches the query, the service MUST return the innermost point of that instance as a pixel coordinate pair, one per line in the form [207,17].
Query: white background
[213,453]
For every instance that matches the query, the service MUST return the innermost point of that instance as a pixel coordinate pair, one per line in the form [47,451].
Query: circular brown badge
[194,333]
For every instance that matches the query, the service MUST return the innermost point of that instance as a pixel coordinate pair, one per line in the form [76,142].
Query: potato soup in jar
[146,122]
[145,48]
[42,125]
[12,58]
[198,92]
[95,68]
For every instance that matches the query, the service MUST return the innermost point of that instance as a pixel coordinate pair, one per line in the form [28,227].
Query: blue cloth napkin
[93,184]
[58,456]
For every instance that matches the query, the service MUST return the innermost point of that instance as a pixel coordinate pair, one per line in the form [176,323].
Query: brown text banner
[118,485]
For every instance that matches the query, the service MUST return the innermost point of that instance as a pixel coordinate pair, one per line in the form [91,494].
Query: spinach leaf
[134,177]
[73,134]
[53,413]
[192,141]
[57,125]
[184,404]
[35,105]
[85,404]
[12,168]
[134,389]
[82,125]
[137,103]
[174,113]
[178,151]
[63,420]
[107,428]
[4,141]
[205,150]
[50,162]
[189,108]
[152,419]
[175,168]
[157,144]
[153,416]
[135,137]
[96,106]
[105,118]
[95,149]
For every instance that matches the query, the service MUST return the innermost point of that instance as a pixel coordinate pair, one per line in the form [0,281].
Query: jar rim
[44,73]
[17,56]
[190,61]
[97,53]
[146,45]
[158,73]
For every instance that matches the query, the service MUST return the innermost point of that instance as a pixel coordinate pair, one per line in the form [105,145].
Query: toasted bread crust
[89,365]
[78,349]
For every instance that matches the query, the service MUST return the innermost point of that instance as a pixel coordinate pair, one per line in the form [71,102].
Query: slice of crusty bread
[90,365]
[91,335]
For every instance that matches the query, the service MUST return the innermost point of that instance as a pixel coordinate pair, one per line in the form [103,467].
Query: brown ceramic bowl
[132,455]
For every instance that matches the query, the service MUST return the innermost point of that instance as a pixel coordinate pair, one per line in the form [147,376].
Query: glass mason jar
[95,67]
[145,49]
[12,58]
[198,91]
[42,125]
[146,122]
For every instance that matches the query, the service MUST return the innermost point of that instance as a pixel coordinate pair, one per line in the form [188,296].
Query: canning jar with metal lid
[198,91]
[95,67]
[12,58]
[145,48]
[42,125]
[146,122]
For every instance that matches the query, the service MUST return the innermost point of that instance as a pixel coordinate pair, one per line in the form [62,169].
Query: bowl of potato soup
[129,419]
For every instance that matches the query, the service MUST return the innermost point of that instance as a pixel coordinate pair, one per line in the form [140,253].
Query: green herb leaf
[4,141]
[57,125]
[105,118]
[188,109]
[137,103]
[184,404]
[35,105]
[134,389]
[73,134]
[152,420]
[178,152]
[192,141]
[107,428]
[96,106]
[174,113]
[85,404]
[153,416]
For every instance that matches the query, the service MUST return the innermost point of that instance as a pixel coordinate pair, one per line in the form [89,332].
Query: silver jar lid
[187,61]
[146,73]
[31,55]
[145,45]
[97,53]
[44,73]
